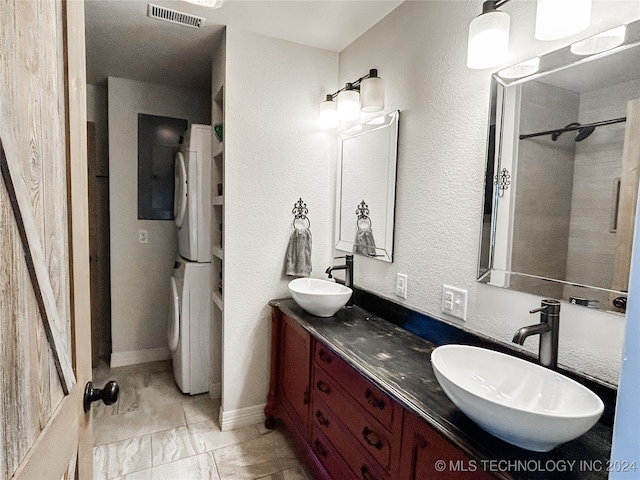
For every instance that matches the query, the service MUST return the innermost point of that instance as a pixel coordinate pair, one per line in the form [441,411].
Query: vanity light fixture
[556,19]
[600,43]
[365,94]
[489,36]
[522,69]
[489,32]
[348,103]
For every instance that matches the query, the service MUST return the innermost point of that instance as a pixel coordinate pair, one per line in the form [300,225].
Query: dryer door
[173,330]
[180,190]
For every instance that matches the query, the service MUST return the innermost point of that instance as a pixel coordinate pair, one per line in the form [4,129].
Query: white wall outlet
[454,302]
[143,236]
[401,285]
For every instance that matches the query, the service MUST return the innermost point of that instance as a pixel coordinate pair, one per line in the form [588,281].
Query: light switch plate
[401,285]
[454,302]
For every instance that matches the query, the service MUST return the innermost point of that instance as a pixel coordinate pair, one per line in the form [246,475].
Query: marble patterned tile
[123,457]
[200,408]
[268,454]
[198,467]
[170,445]
[207,435]
[296,473]
[137,423]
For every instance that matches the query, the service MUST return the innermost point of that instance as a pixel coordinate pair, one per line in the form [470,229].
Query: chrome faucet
[548,329]
[348,274]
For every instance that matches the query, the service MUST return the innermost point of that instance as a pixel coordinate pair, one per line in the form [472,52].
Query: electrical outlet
[143,236]
[454,302]
[401,285]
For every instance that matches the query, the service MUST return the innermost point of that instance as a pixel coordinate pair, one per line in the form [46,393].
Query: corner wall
[140,273]
[420,51]
[274,155]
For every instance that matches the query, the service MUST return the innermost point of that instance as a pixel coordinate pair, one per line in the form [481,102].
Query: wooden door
[44,260]
[629,181]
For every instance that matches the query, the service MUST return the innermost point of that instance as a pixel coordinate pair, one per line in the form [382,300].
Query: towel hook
[300,211]
[363,214]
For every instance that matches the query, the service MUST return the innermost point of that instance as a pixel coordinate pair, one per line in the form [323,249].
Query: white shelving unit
[217,201]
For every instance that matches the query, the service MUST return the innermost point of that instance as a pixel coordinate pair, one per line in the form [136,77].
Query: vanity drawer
[371,398]
[326,423]
[328,457]
[370,434]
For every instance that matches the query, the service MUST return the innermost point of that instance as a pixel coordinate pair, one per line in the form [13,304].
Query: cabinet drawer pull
[371,438]
[319,448]
[323,387]
[373,401]
[321,420]
[324,356]
[366,474]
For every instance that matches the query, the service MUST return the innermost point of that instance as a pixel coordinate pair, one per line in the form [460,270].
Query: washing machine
[192,194]
[189,329]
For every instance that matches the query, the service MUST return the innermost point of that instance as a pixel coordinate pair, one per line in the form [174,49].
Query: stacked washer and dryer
[189,329]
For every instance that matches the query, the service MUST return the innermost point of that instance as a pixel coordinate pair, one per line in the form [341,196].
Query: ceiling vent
[173,16]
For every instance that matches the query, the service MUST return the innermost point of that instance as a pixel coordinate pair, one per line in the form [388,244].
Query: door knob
[109,394]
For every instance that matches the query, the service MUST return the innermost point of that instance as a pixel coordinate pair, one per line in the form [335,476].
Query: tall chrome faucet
[548,329]
[348,274]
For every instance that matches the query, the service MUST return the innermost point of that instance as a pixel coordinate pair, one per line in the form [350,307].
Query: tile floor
[155,432]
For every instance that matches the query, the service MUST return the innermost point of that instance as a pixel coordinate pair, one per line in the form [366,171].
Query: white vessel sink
[517,401]
[319,297]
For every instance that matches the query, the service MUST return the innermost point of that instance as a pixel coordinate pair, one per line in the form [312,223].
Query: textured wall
[140,273]
[420,50]
[274,154]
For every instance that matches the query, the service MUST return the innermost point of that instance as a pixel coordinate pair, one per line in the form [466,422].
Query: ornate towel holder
[363,214]
[300,211]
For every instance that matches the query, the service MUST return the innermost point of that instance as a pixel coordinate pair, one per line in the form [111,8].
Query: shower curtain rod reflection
[573,127]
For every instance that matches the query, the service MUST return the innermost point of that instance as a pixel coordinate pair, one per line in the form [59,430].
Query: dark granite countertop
[398,362]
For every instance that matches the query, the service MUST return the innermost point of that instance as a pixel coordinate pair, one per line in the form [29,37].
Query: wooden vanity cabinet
[427,455]
[345,426]
[289,394]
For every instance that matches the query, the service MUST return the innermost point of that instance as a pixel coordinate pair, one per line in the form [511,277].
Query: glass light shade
[600,43]
[488,40]
[372,94]
[522,69]
[328,117]
[556,19]
[348,105]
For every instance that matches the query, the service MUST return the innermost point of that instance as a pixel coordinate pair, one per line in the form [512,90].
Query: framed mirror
[366,187]
[561,183]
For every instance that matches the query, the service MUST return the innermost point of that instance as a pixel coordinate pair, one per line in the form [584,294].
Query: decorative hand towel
[298,258]
[364,244]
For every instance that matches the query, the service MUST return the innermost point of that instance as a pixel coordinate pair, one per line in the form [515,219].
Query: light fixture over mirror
[488,44]
[556,19]
[489,37]
[366,94]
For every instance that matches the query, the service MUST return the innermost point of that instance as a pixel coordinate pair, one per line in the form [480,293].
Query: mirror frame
[499,140]
[384,244]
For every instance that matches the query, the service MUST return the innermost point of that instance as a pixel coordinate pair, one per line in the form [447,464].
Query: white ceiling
[123,42]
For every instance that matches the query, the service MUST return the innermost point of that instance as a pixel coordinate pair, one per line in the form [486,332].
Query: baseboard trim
[242,417]
[120,359]
[215,391]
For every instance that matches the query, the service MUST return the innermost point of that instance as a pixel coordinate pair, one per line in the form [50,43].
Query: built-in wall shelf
[217,299]
[217,200]
[217,252]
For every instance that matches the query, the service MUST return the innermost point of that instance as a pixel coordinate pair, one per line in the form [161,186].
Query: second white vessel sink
[517,401]
[319,297]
